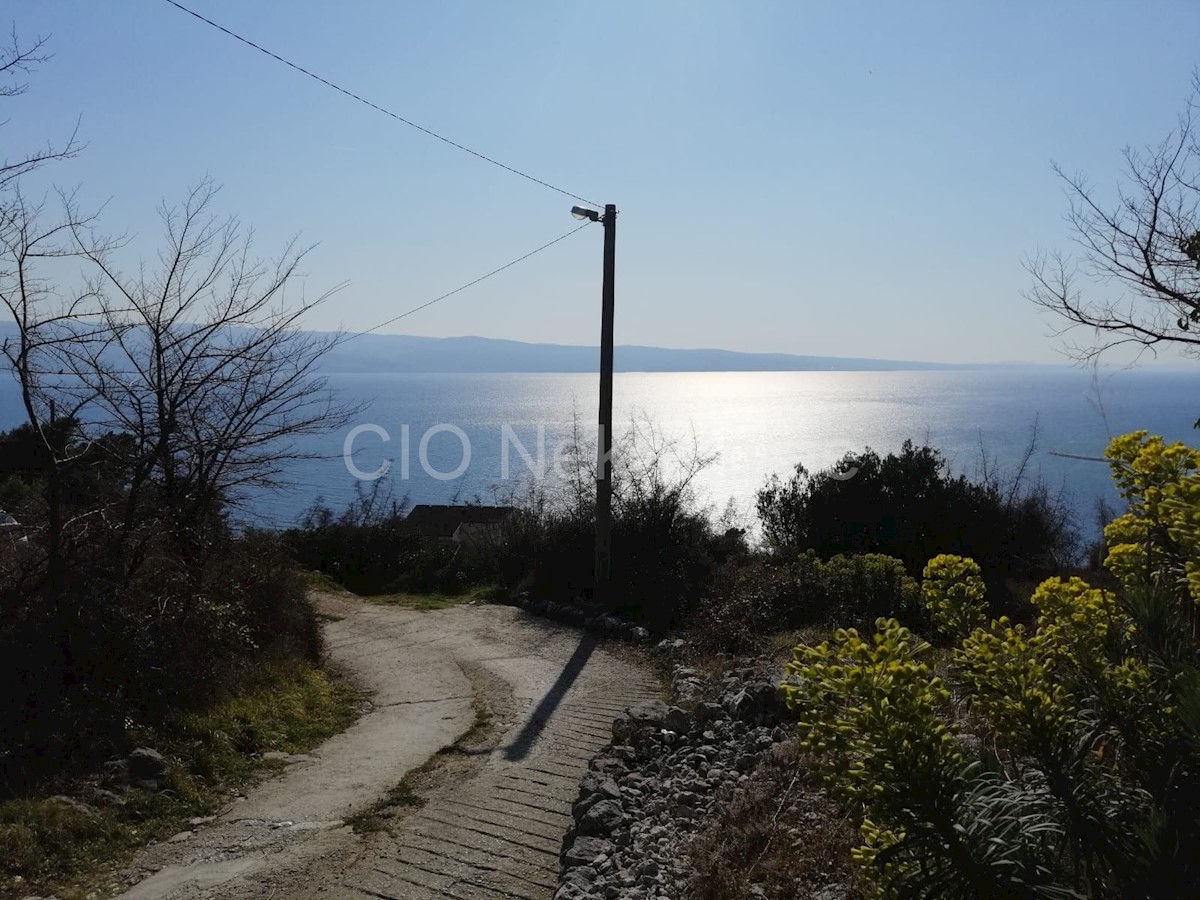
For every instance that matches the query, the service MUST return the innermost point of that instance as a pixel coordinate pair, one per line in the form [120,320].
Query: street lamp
[603,573]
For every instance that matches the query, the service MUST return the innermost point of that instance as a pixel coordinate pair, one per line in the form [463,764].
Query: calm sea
[757,423]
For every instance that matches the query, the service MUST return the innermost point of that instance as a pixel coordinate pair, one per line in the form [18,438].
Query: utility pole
[604,486]
[602,586]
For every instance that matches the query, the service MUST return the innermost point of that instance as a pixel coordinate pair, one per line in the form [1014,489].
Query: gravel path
[495,813]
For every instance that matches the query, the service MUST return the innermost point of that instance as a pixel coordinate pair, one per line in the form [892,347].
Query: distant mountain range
[370,353]
[409,353]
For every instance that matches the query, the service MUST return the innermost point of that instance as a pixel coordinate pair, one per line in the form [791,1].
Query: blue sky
[840,178]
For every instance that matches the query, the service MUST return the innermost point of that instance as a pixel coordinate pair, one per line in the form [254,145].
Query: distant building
[460,524]
[11,530]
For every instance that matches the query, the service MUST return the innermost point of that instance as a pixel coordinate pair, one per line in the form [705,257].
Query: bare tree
[46,322]
[195,359]
[27,244]
[1141,251]
[204,362]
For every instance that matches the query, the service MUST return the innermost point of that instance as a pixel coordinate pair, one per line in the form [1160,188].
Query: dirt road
[494,809]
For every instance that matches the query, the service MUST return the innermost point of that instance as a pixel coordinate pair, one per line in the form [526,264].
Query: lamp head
[581,213]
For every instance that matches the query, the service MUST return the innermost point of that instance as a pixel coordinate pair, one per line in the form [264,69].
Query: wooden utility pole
[603,592]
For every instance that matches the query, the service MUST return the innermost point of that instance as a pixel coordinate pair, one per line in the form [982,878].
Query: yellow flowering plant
[1080,774]
[1157,541]
[955,595]
[871,707]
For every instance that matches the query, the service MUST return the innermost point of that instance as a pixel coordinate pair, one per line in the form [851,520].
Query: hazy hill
[408,353]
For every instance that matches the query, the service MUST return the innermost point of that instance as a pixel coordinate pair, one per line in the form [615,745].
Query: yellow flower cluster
[955,596]
[875,840]
[1077,619]
[1030,686]
[1144,464]
[870,709]
[874,713]
[1012,684]
[1158,540]
[1129,549]
[1181,509]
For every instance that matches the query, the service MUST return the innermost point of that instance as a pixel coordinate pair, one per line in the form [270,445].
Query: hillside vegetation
[1056,760]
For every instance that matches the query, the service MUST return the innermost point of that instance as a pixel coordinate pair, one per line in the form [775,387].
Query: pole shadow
[523,743]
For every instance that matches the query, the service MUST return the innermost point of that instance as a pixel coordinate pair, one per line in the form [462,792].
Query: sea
[440,438]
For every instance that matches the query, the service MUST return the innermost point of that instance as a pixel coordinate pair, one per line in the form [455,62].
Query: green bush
[667,547]
[369,549]
[860,588]
[1061,760]
[909,505]
[955,595]
[666,555]
[131,644]
[767,597]
[379,559]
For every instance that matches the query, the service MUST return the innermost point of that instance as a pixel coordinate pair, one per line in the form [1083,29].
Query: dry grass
[781,644]
[780,838]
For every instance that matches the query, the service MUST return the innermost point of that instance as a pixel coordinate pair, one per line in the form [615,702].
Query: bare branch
[1140,252]
[206,365]
[17,60]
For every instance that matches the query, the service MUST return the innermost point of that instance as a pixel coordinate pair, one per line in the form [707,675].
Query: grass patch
[435,600]
[382,814]
[480,728]
[319,581]
[378,816]
[288,708]
[65,844]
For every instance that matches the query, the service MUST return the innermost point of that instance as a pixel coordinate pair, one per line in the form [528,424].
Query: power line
[457,290]
[376,106]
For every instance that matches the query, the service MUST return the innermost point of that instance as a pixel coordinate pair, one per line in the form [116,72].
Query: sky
[847,179]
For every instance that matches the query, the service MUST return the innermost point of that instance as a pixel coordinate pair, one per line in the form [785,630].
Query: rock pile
[667,769]
[143,768]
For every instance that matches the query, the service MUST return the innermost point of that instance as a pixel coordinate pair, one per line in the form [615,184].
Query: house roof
[444,520]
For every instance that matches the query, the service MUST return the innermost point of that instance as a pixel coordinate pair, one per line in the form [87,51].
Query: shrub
[119,604]
[1086,782]
[131,644]
[545,551]
[745,604]
[859,588]
[665,558]
[766,597]
[370,549]
[289,706]
[667,548]
[666,555]
[910,506]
